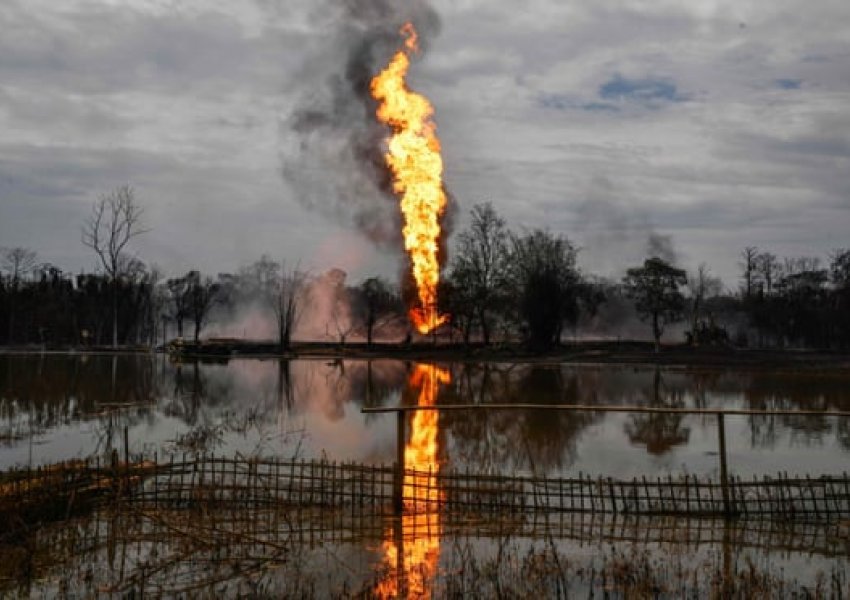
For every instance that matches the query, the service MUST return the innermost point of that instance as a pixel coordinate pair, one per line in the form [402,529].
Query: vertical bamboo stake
[373,489]
[581,489]
[212,486]
[301,468]
[544,496]
[812,493]
[727,560]
[698,495]
[724,480]
[398,503]
[561,494]
[321,481]
[277,498]
[621,485]
[659,490]
[126,461]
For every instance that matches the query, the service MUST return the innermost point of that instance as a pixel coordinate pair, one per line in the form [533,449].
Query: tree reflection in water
[791,390]
[526,440]
[659,432]
[96,396]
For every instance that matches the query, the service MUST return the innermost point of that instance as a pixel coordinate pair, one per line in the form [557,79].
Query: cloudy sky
[718,123]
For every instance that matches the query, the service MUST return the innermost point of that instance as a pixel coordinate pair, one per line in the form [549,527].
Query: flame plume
[417,167]
[420,524]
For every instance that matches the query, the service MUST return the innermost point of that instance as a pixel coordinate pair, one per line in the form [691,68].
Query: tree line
[797,300]
[500,285]
[527,286]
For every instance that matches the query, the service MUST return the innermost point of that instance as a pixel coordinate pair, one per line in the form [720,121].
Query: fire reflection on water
[412,563]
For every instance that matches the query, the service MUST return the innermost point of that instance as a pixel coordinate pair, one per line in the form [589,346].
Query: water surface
[58,406]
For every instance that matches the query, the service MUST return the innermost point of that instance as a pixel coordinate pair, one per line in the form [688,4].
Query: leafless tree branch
[114,221]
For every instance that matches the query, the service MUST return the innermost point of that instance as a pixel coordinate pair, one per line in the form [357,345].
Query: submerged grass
[628,572]
[125,551]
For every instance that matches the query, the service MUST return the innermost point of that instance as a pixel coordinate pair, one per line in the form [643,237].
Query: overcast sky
[718,123]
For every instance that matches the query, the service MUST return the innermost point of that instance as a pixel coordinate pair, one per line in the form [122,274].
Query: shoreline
[577,353]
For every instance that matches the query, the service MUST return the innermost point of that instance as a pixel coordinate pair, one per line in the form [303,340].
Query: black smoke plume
[661,246]
[333,156]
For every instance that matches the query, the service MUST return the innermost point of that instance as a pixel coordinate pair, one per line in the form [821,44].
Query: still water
[58,406]
[54,407]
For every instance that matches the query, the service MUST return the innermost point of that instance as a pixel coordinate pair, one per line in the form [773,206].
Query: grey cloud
[66,116]
[811,159]
[103,50]
[565,102]
[183,105]
[197,214]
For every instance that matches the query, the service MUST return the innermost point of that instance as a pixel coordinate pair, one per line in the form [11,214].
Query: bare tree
[800,264]
[768,269]
[17,262]
[288,292]
[480,264]
[330,290]
[456,300]
[201,294]
[156,306]
[839,271]
[341,314]
[839,268]
[177,287]
[115,220]
[749,266]
[376,303]
[701,286]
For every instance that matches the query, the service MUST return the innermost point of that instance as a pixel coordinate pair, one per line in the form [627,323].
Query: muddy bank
[606,352]
[578,353]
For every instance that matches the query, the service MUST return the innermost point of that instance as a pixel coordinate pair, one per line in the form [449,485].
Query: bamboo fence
[57,491]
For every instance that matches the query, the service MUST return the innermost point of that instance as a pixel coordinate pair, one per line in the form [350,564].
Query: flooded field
[57,407]
[121,553]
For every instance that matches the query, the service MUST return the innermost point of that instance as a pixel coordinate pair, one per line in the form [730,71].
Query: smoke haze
[661,246]
[327,313]
[333,147]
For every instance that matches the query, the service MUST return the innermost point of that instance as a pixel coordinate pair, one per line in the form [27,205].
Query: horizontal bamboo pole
[611,409]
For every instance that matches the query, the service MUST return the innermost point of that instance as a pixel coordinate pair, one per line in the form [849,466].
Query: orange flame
[420,523]
[417,167]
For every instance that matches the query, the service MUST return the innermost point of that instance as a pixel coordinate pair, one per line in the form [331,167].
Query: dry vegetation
[125,550]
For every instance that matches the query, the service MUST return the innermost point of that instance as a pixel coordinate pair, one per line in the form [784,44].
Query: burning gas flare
[417,167]
[420,523]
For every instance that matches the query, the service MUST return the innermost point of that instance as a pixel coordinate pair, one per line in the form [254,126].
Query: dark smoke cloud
[661,246]
[618,231]
[333,145]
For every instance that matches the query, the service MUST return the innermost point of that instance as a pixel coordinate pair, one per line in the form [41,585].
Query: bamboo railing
[210,480]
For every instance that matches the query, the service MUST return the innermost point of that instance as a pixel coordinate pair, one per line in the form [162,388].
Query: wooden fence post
[398,487]
[724,476]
